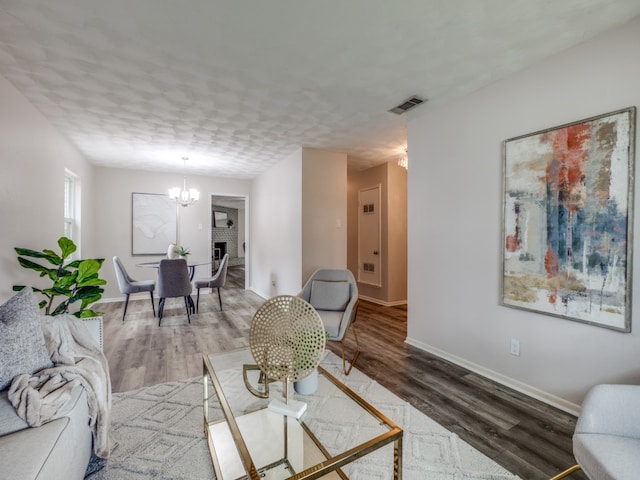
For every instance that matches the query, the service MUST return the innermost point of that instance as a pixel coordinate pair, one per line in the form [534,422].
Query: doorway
[369,236]
[229,226]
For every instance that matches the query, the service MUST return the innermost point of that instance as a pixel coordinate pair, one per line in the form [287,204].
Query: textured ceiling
[237,84]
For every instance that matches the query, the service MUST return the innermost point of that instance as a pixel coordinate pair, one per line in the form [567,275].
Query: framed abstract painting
[154,223]
[567,220]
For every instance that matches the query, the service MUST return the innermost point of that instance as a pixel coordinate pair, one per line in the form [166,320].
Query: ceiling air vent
[408,104]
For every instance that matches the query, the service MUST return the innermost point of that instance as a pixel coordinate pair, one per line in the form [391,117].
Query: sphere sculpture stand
[287,340]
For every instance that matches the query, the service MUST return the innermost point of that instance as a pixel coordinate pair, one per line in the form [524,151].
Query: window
[72,207]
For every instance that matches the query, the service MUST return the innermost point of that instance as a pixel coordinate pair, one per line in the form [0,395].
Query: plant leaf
[93,280]
[87,295]
[60,309]
[26,263]
[89,299]
[57,291]
[88,292]
[52,257]
[66,280]
[18,288]
[87,268]
[66,246]
[87,314]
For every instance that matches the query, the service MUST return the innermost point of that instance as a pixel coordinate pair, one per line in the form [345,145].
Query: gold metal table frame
[220,433]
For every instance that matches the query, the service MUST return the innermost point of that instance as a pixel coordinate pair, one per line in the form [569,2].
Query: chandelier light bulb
[404,160]
[184,196]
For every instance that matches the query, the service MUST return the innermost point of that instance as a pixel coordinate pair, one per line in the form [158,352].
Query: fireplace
[219,250]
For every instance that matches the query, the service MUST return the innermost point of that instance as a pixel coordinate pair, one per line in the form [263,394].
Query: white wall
[396,221]
[34,156]
[324,211]
[275,236]
[242,218]
[455,184]
[112,195]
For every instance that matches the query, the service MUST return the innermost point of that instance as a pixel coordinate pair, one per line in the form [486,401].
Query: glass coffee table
[249,441]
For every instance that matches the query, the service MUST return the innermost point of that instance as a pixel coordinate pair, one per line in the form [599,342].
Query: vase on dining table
[172,252]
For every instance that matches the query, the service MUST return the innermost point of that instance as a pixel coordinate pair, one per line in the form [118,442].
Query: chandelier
[403,161]
[183,196]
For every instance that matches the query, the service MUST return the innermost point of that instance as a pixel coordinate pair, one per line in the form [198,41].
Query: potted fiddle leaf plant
[72,281]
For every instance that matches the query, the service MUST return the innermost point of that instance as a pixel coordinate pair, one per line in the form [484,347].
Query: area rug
[159,434]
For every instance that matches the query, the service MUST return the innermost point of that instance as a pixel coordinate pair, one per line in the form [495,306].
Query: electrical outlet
[273,283]
[515,347]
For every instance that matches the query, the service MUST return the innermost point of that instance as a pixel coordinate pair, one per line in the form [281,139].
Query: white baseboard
[377,301]
[516,385]
[260,294]
[116,299]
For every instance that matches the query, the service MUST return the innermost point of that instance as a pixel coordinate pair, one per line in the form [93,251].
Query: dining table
[191,265]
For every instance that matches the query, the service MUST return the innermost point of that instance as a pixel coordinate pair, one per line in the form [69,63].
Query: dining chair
[334,294]
[217,281]
[173,281]
[128,285]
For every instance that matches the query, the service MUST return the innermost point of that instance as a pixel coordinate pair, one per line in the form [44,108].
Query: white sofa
[59,449]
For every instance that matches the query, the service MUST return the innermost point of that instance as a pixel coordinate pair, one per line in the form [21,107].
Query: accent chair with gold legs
[606,441]
[334,294]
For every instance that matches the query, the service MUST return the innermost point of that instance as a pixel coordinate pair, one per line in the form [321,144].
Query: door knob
[375,252]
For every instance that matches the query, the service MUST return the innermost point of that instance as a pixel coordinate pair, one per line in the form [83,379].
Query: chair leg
[160,309]
[355,355]
[187,306]
[126,304]
[153,306]
[567,472]
[219,299]
[198,301]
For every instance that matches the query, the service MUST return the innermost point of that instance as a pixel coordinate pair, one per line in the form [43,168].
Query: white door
[369,236]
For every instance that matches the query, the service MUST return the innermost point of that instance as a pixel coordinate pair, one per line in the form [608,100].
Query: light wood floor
[528,437]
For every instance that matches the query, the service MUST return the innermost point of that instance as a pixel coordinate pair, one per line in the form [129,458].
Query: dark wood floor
[526,436]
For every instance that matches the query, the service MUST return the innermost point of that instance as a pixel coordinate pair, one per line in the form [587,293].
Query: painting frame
[154,223]
[220,219]
[567,220]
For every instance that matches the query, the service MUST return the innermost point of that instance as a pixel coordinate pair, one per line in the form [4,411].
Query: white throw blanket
[77,360]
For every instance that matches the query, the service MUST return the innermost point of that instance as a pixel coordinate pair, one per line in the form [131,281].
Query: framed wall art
[567,220]
[219,219]
[154,223]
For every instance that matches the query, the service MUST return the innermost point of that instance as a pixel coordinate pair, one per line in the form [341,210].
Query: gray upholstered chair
[173,281]
[128,285]
[606,441]
[217,281]
[334,294]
